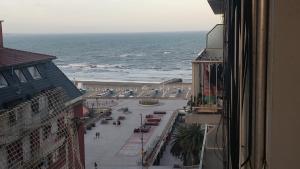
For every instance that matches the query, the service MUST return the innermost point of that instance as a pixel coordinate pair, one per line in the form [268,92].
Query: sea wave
[88,65]
[139,57]
[125,55]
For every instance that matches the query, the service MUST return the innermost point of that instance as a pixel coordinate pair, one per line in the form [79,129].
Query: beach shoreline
[96,89]
[124,83]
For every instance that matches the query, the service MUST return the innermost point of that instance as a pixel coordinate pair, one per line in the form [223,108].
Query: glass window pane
[3,82]
[34,72]
[20,75]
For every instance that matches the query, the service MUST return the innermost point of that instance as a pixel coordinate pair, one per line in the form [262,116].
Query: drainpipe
[1,35]
[260,88]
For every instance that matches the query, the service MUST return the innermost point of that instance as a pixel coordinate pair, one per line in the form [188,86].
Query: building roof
[51,76]
[13,57]
[210,55]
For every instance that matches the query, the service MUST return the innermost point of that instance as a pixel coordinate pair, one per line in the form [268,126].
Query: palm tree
[187,142]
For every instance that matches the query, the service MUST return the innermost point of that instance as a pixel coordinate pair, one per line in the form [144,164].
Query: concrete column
[54,127]
[78,112]
[27,114]
[3,157]
[26,148]
[195,80]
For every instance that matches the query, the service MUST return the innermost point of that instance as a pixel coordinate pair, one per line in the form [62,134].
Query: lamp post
[142,140]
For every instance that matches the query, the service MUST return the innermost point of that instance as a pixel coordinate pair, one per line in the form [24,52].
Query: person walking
[97,135]
[95,165]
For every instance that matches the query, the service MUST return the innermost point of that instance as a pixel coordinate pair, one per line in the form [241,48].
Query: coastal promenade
[118,146]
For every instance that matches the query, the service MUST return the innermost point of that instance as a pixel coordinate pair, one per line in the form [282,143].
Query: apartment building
[40,111]
[260,113]
[259,116]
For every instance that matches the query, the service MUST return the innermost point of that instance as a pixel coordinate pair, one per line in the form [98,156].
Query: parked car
[149,116]
[152,123]
[121,118]
[153,119]
[104,121]
[109,118]
[159,112]
[144,129]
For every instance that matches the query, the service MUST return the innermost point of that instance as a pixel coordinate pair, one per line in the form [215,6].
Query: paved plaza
[118,146]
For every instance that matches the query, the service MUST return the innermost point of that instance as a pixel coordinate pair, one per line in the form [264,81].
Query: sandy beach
[139,90]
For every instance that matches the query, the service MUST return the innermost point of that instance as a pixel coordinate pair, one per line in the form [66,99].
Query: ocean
[133,57]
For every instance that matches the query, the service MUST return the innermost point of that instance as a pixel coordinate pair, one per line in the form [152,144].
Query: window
[34,72]
[12,118]
[50,159]
[14,154]
[34,142]
[15,115]
[20,75]
[35,107]
[3,82]
[46,131]
[62,152]
[61,128]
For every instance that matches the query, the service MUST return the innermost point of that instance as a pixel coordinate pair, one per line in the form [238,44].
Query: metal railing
[151,156]
[206,92]
[203,148]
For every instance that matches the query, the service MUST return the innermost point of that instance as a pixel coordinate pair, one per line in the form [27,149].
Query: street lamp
[142,140]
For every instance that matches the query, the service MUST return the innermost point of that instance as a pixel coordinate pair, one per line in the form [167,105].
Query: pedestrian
[96,165]
[97,135]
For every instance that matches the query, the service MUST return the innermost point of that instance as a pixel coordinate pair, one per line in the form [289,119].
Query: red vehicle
[153,120]
[144,129]
[152,123]
[149,116]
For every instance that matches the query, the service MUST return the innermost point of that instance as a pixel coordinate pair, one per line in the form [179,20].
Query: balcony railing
[202,151]
[208,74]
[203,147]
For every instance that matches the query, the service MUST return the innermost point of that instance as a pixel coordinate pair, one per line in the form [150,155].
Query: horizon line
[53,33]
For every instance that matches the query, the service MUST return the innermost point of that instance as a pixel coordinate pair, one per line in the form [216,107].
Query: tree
[187,142]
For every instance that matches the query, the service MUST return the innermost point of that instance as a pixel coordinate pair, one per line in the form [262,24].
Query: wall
[283,107]
[78,112]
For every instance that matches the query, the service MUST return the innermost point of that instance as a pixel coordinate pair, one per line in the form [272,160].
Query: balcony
[207,84]
[213,148]
[207,97]
[50,145]
[28,115]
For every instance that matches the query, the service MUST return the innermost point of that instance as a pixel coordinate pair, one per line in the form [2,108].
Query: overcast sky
[104,16]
